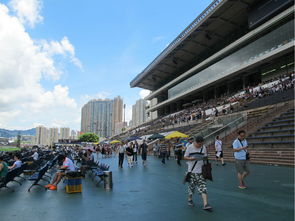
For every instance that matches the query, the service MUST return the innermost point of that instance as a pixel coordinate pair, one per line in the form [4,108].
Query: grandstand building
[230,46]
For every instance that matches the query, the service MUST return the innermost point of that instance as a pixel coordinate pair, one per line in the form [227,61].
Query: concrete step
[284,117]
[274,132]
[282,144]
[276,138]
[269,162]
[280,122]
[278,127]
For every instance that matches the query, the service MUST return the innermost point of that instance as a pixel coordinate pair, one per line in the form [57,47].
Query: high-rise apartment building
[42,136]
[139,112]
[53,135]
[64,133]
[97,117]
[117,115]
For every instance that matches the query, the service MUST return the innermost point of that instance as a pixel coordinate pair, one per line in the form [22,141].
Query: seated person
[3,169]
[67,165]
[17,162]
[35,155]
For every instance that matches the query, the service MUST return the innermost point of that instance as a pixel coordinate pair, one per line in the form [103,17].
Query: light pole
[124,107]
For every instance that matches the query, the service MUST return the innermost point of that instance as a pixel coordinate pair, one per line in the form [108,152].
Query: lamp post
[124,107]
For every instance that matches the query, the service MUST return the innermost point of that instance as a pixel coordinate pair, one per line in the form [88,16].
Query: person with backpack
[241,154]
[194,155]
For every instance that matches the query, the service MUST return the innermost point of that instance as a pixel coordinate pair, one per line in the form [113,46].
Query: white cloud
[64,48]
[144,93]
[28,11]
[24,62]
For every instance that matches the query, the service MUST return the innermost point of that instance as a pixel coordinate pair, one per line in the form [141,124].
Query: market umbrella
[176,134]
[156,136]
[115,141]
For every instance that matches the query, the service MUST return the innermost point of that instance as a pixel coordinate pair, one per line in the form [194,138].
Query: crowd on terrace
[221,106]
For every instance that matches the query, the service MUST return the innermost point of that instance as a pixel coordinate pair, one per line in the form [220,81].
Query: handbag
[207,170]
[187,176]
[247,153]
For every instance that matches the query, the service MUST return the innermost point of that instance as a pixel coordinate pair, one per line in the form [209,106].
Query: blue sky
[113,40]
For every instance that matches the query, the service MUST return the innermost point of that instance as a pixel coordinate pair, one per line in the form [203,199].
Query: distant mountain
[14,133]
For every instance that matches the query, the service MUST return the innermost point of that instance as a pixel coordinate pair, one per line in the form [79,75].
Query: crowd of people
[223,105]
[192,150]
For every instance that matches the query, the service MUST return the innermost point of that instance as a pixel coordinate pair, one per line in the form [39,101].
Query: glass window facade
[246,55]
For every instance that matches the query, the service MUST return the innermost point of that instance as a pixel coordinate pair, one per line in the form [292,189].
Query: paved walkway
[157,193]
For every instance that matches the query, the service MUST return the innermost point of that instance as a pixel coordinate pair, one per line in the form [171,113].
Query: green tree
[89,137]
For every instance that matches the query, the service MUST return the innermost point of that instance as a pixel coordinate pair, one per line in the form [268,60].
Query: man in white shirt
[35,155]
[67,165]
[218,151]
[121,151]
[194,154]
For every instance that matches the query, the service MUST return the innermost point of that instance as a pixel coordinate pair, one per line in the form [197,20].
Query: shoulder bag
[247,153]
[187,176]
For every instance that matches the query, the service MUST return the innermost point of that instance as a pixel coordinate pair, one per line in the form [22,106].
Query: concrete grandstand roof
[203,36]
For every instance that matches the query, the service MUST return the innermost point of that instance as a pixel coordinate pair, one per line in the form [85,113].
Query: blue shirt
[240,155]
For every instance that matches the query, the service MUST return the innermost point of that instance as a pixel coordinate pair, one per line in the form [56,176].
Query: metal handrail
[220,129]
[191,27]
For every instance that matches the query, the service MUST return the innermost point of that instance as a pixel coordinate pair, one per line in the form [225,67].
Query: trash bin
[108,180]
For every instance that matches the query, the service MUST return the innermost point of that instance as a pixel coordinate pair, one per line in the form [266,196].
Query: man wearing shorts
[67,165]
[194,155]
[218,151]
[240,146]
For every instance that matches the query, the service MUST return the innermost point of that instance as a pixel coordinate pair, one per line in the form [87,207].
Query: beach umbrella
[176,134]
[115,141]
[156,136]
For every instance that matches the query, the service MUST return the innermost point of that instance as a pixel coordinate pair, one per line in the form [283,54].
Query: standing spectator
[169,147]
[163,151]
[156,148]
[194,154]
[3,168]
[121,151]
[178,153]
[240,146]
[190,141]
[135,150]
[97,149]
[218,151]
[103,151]
[143,150]
[17,162]
[129,152]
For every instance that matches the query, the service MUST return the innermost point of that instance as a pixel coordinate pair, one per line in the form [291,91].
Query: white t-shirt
[69,164]
[122,149]
[135,148]
[35,156]
[17,164]
[190,150]
[218,145]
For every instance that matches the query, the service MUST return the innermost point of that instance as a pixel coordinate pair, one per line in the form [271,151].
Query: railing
[227,129]
[219,123]
[182,35]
